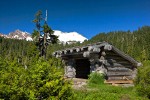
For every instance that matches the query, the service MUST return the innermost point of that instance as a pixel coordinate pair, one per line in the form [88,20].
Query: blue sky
[87,17]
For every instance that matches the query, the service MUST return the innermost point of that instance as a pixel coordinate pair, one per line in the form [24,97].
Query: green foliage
[96,78]
[39,80]
[26,76]
[38,16]
[97,90]
[135,43]
[43,37]
[47,29]
[35,35]
[23,50]
[13,80]
[107,92]
[142,81]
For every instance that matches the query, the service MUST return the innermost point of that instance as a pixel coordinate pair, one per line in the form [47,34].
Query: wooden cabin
[100,57]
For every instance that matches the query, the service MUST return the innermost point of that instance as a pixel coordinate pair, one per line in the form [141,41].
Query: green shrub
[142,81]
[41,80]
[96,78]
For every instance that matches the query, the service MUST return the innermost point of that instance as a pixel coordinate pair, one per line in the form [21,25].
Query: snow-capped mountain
[2,35]
[64,37]
[20,35]
[69,36]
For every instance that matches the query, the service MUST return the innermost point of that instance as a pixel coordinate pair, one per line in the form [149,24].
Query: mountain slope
[70,36]
[17,34]
[20,35]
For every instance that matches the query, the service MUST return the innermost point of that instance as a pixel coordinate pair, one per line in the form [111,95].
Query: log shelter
[100,57]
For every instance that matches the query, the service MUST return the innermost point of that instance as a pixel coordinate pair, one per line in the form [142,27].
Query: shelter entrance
[82,68]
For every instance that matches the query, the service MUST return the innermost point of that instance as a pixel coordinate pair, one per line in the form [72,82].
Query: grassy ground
[107,92]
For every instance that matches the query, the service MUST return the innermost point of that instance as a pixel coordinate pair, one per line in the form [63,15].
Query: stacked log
[118,69]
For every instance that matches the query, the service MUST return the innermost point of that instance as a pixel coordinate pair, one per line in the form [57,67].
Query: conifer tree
[44,36]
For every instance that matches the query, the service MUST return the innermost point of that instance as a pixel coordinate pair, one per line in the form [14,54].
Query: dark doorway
[82,68]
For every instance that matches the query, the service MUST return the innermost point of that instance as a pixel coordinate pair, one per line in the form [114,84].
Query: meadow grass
[107,92]
[97,90]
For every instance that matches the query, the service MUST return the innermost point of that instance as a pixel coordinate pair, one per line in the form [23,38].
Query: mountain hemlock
[43,37]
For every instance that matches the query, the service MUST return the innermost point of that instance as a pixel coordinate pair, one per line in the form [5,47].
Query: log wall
[118,68]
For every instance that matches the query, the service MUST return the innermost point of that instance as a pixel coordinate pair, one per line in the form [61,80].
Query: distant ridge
[17,34]
[64,37]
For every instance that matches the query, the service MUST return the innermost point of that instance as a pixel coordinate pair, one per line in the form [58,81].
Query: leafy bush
[41,80]
[142,81]
[96,78]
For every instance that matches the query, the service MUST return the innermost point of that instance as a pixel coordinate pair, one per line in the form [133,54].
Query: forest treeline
[135,44]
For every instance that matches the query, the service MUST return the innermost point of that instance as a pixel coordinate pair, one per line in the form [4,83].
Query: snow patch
[29,39]
[69,36]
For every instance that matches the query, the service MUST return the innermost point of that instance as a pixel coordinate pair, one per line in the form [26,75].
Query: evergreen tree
[47,37]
